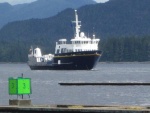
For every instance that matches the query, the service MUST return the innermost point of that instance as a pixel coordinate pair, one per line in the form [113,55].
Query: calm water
[46,90]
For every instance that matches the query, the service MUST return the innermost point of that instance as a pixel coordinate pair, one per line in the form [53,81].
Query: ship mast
[77,25]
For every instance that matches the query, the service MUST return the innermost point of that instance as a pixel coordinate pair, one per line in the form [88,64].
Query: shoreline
[135,62]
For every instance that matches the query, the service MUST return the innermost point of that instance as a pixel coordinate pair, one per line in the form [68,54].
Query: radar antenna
[78,25]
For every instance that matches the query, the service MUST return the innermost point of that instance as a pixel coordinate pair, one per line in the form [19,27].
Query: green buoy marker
[19,86]
[13,86]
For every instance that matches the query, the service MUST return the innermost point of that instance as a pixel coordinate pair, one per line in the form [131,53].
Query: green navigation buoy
[19,86]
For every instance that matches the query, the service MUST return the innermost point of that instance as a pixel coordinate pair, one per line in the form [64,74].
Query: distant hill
[116,18]
[113,18]
[37,9]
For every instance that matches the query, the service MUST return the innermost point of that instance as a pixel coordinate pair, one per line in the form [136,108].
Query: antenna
[93,33]
[77,24]
[31,50]
[93,30]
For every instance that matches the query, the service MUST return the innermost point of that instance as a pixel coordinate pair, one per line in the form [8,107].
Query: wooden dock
[74,109]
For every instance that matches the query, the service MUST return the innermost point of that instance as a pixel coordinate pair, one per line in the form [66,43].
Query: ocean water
[47,91]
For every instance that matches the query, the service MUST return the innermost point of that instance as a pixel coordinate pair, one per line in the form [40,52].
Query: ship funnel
[37,52]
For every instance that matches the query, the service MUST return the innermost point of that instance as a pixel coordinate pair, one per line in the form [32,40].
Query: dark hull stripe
[76,62]
[78,55]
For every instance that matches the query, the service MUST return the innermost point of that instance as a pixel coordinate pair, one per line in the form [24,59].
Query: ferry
[82,53]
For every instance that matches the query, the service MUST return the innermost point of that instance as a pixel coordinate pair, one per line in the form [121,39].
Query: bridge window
[57,50]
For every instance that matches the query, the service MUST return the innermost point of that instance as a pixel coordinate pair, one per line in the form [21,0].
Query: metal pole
[22,77]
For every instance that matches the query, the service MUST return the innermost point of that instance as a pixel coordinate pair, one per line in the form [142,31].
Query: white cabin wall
[77,47]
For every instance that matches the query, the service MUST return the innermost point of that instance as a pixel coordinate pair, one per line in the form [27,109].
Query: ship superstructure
[81,53]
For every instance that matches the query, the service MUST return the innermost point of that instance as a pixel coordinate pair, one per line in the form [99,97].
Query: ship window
[70,50]
[78,42]
[61,50]
[65,50]
[57,50]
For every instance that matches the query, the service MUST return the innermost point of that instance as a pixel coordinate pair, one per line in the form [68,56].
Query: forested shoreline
[115,49]
[126,49]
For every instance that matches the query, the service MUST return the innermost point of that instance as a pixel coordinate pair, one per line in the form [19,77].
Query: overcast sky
[13,2]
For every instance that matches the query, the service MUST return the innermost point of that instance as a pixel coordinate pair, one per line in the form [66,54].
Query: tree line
[126,49]
[115,49]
